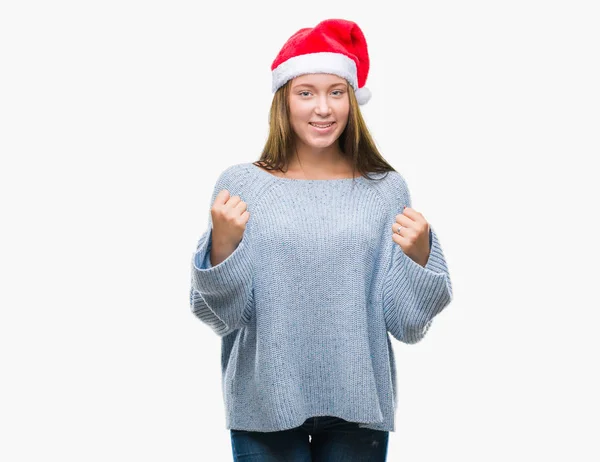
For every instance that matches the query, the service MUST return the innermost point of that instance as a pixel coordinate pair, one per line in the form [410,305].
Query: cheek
[344,109]
[342,115]
[297,124]
[295,120]
[298,117]
[341,109]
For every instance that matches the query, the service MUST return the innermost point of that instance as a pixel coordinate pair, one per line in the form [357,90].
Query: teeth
[321,126]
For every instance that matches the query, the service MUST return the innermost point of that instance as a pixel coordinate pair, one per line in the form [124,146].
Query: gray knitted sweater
[304,304]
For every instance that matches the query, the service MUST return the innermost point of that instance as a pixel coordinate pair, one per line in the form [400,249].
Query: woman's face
[318,99]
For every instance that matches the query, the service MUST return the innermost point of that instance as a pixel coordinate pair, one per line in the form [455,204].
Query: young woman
[312,256]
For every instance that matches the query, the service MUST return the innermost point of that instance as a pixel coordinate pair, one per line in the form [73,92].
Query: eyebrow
[308,85]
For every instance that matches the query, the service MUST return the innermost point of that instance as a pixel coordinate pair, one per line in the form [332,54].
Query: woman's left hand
[414,235]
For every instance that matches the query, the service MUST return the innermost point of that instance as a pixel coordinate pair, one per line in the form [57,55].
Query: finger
[404,221]
[413,214]
[407,218]
[222,197]
[399,222]
[408,233]
[400,240]
[397,228]
[233,201]
[240,207]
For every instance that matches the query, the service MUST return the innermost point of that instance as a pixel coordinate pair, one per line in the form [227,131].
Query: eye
[307,93]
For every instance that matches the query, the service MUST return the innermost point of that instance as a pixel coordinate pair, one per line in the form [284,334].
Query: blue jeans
[333,440]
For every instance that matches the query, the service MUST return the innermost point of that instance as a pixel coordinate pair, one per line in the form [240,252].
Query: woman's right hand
[229,218]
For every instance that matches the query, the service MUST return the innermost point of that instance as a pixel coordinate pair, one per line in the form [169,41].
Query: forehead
[318,80]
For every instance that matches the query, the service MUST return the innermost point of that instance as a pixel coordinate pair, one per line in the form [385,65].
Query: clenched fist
[413,237]
[229,218]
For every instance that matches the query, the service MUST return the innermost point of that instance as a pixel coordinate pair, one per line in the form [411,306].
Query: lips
[321,125]
[322,129]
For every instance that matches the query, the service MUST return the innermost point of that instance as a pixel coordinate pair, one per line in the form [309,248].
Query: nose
[323,108]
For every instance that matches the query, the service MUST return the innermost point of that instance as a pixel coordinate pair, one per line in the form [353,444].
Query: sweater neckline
[277,178]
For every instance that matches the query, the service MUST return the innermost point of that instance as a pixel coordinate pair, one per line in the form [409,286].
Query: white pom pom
[363,95]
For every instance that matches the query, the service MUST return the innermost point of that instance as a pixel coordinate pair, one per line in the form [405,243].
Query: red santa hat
[334,46]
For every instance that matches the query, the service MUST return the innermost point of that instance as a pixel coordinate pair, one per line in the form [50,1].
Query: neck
[309,159]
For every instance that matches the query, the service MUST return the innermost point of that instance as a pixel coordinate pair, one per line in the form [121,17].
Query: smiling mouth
[321,125]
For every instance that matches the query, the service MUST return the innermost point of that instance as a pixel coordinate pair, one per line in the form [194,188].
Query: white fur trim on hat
[315,63]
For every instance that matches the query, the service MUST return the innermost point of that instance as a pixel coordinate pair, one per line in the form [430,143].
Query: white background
[116,118]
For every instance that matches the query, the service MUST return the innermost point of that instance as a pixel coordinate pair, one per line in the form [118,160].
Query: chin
[322,144]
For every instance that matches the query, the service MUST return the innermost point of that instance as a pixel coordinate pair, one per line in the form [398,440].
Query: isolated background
[116,118]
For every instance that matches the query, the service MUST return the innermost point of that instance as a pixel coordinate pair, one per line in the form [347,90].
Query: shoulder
[241,179]
[231,172]
[392,186]
[233,178]
[397,183]
[236,174]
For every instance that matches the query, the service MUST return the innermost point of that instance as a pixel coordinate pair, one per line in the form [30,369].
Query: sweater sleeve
[412,294]
[222,296]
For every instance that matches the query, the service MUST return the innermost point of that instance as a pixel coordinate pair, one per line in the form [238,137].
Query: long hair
[355,142]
